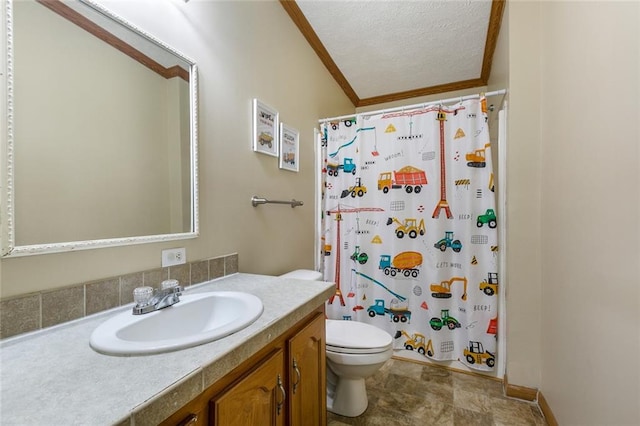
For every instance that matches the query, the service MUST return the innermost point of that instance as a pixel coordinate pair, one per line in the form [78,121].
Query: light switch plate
[175,256]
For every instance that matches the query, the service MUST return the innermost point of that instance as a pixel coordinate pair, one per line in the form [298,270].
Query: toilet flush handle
[297,382]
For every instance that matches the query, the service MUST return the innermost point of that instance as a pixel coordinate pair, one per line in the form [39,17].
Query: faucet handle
[168,284]
[171,287]
[142,295]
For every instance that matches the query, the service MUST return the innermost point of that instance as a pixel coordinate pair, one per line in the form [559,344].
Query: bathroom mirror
[100,146]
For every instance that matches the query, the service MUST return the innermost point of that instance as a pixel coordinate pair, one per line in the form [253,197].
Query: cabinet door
[307,375]
[257,399]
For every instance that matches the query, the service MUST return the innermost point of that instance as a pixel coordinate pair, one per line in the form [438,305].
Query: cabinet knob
[299,376]
[284,395]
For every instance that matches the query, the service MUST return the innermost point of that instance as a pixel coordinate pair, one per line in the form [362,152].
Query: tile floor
[407,393]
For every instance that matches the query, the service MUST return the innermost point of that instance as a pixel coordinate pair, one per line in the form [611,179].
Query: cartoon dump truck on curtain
[408,177]
[347,165]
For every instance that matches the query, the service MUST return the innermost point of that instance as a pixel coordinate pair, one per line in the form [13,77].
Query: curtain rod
[408,107]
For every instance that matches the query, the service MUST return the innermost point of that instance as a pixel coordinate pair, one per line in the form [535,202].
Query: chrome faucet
[149,300]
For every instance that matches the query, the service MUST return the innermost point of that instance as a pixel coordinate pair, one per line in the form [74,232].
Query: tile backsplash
[34,311]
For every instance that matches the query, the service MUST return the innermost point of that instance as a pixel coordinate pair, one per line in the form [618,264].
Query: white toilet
[355,351]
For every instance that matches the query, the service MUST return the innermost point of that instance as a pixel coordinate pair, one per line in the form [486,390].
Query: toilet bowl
[354,351]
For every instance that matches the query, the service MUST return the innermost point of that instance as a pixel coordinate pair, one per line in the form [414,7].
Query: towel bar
[255,201]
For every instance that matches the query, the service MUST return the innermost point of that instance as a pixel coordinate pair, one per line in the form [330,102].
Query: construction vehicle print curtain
[409,229]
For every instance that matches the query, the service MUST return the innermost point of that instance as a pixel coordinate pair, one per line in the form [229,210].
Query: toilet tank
[304,274]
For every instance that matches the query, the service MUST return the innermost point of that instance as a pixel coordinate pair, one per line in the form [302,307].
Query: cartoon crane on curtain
[443,203]
[339,211]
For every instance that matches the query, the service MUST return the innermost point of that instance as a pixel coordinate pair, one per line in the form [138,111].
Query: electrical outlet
[176,256]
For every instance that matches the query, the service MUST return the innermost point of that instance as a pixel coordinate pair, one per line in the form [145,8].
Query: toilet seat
[353,337]
[352,351]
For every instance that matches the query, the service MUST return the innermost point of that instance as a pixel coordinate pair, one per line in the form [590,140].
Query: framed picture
[289,148]
[265,128]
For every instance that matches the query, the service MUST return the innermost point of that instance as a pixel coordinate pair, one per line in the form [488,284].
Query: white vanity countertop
[53,377]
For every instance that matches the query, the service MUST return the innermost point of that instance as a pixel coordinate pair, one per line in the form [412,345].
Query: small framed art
[289,148]
[265,128]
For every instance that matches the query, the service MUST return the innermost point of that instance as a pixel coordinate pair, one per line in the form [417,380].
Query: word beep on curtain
[409,232]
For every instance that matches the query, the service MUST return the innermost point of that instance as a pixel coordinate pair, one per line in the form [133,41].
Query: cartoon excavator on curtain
[443,290]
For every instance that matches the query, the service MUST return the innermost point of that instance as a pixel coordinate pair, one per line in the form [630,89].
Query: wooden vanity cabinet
[307,375]
[283,384]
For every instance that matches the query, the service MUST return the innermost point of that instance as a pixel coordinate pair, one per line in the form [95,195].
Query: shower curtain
[409,229]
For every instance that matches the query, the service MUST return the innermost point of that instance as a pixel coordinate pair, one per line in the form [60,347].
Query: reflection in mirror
[103,132]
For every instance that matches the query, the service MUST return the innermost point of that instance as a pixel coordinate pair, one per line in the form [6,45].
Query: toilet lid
[356,336]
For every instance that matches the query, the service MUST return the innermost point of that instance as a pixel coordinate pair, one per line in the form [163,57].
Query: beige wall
[573,300]
[590,113]
[243,50]
[523,255]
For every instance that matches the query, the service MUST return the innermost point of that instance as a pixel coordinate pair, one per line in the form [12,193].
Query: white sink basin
[196,319]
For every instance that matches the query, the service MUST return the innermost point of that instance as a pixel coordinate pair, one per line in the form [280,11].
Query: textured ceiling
[389,50]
